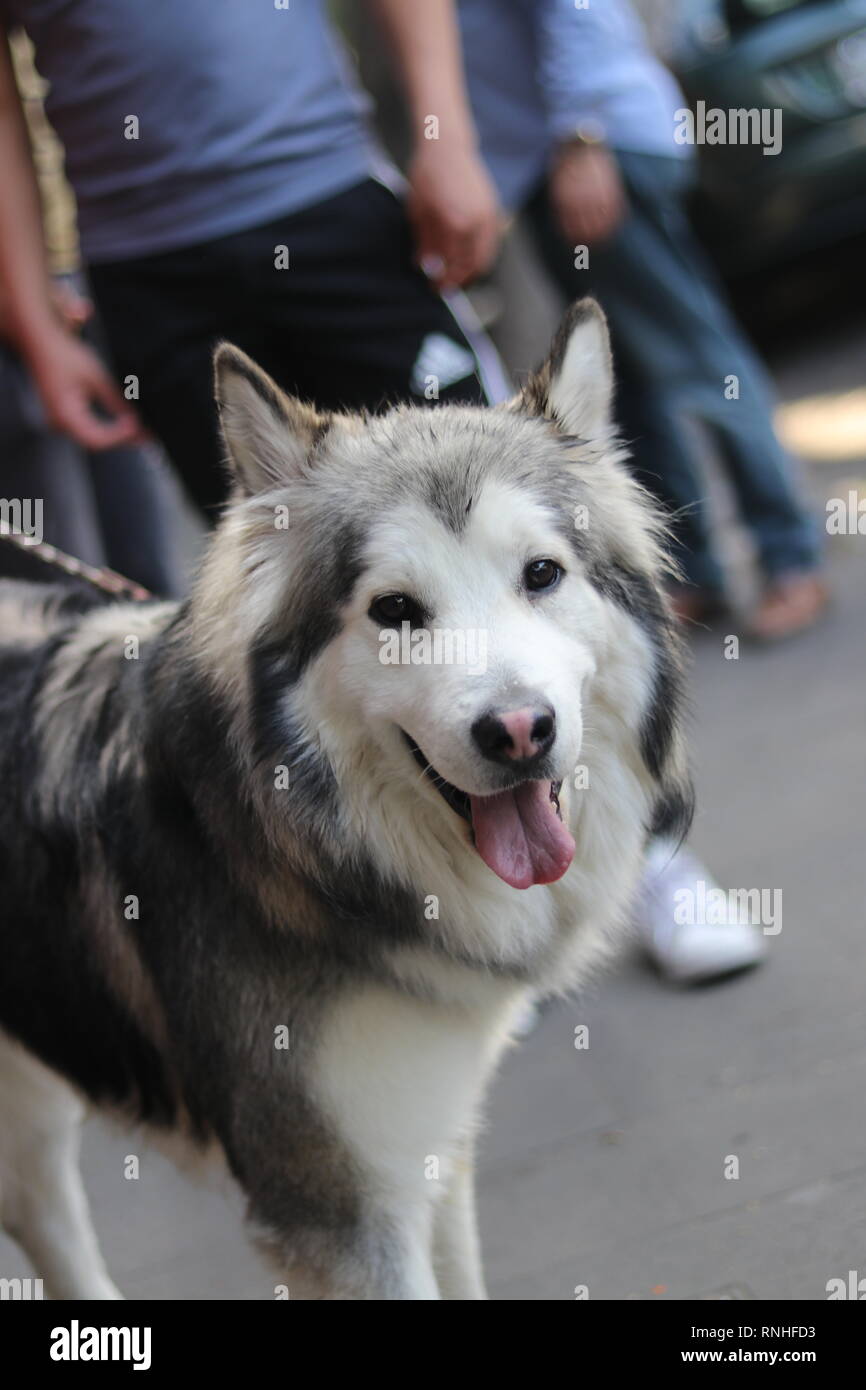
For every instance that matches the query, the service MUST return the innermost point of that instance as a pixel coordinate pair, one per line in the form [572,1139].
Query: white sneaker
[686,950]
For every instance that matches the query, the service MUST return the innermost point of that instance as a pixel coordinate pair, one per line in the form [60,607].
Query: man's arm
[452,203]
[577,66]
[70,377]
[583,60]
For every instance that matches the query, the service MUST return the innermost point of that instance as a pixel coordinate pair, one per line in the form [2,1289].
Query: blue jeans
[675,343]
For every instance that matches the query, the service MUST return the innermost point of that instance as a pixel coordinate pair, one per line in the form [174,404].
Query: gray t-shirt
[185,120]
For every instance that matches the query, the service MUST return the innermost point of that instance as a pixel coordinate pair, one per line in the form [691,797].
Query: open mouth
[519,832]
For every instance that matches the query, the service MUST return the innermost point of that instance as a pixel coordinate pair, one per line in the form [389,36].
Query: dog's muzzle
[518,832]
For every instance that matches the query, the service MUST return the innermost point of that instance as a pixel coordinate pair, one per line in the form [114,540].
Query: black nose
[516,736]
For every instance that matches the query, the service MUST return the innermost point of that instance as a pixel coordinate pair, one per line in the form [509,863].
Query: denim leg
[675,344]
[39,464]
[765,479]
[137,505]
[648,409]
[663,460]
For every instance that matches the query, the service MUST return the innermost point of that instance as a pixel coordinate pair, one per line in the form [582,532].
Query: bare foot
[790,604]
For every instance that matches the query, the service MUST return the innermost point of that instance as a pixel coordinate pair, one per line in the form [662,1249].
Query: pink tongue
[520,837]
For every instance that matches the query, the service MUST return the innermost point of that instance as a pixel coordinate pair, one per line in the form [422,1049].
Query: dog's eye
[542,574]
[393,609]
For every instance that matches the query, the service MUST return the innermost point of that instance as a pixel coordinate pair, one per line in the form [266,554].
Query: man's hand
[587,193]
[70,377]
[454,212]
[452,204]
[71,380]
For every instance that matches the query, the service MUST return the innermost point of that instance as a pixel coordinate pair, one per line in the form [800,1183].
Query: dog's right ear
[269,435]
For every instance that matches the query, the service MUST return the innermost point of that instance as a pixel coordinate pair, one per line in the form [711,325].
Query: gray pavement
[606,1167]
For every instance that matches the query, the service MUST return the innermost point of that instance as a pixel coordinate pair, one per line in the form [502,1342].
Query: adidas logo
[443,359]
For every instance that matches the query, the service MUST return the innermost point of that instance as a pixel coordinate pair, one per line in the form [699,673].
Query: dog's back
[62,669]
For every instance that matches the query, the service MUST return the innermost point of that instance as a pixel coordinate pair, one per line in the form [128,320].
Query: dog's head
[434,598]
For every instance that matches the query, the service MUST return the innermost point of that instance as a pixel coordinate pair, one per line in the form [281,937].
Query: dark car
[807,60]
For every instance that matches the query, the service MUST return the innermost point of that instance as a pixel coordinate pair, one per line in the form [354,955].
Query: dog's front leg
[335,1225]
[384,1260]
[456,1244]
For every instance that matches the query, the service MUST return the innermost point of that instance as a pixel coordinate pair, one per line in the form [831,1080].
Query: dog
[278,885]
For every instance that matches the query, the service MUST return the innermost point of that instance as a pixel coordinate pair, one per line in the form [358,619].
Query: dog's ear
[574,387]
[269,435]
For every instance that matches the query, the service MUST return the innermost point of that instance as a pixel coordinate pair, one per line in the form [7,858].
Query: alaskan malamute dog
[278,871]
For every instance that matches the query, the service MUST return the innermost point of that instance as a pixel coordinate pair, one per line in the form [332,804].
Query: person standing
[85,497]
[227,187]
[577,121]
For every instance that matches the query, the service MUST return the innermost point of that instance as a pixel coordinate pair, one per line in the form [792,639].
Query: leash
[109,581]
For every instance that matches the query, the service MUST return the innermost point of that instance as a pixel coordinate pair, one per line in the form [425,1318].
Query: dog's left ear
[574,387]
[269,435]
